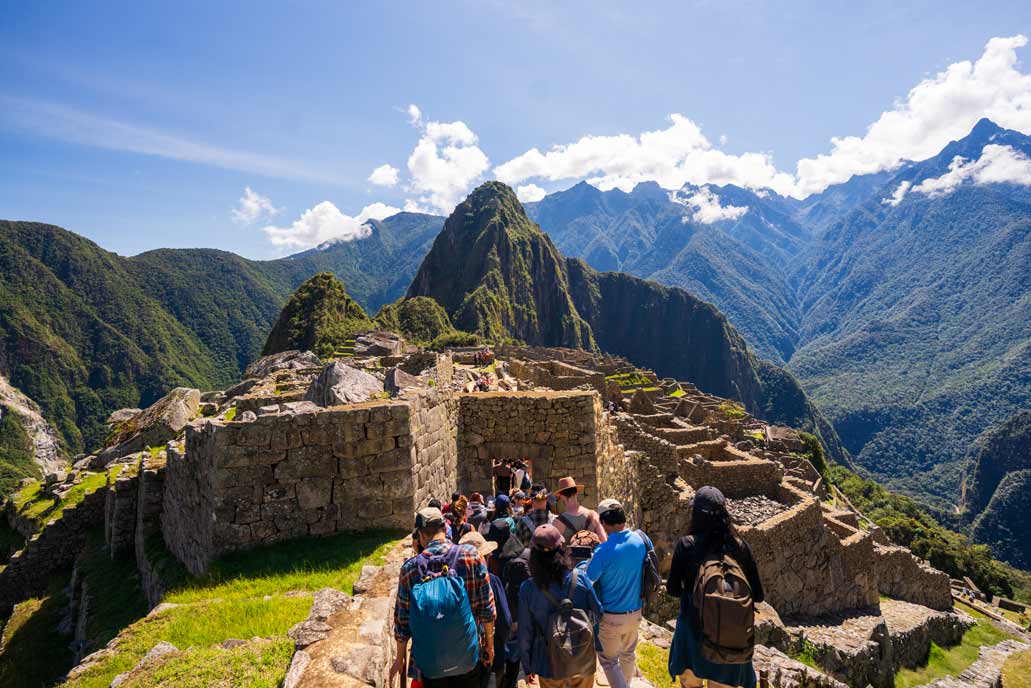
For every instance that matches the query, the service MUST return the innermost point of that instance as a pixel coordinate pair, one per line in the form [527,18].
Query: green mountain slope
[497,274]
[915,336]
[320,317]
[997,498]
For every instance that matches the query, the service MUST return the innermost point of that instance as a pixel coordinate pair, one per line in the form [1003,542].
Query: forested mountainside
[499,275]
[84,331]
[906,323]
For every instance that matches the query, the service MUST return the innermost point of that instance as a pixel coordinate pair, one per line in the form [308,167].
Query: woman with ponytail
[712,534]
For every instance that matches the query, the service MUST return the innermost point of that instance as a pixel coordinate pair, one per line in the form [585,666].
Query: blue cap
[502,502]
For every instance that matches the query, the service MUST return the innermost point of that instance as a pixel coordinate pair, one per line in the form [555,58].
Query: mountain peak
[319,317]
[984,128]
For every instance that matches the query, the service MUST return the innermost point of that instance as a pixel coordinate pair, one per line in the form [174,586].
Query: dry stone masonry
[286,453]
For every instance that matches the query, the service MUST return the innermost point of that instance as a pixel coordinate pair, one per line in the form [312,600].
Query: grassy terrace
[259,593]
[628,380]
[952,661]
[1016,672]
[32,504]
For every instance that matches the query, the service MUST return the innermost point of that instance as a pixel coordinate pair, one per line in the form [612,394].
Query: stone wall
[120,512]
[557,431]
[556,375]
[805,568]
[904,577]
[152,559]
[54,548]
[434,418]
[287,475]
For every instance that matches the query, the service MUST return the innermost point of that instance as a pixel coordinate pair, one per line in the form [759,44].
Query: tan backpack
[726,612]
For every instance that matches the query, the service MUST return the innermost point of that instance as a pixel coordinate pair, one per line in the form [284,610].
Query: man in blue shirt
[616,569]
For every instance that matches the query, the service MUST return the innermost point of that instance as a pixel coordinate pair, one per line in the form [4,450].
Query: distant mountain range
[901,300]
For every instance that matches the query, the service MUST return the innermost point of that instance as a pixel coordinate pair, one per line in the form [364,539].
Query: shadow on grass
[34,654]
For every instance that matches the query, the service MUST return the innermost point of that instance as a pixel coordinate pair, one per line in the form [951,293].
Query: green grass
[732,409]
[677,393]
[230,414]
[807,655]
[951,661]
[653,662]
[242,596]
[255,665]
[32,504]
[33,653]
[634,379]
[115,597]
[1016,672]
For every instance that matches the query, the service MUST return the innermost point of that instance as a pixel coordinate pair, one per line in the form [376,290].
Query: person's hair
[500,511]
[433,530]
[455,496]
[613,517]
[716,527]
[433,503]
[458,508]
[568,492]
[549,567]
[476,497]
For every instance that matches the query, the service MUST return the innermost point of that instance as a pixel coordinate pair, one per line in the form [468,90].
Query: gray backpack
[570,636]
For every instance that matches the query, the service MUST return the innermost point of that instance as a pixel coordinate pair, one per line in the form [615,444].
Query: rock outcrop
[339,383]
[152,427]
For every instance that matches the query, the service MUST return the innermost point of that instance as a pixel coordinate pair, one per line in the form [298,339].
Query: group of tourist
[536,584]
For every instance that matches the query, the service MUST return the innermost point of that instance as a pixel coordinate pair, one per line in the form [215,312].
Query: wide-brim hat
[567,483]
[483,546]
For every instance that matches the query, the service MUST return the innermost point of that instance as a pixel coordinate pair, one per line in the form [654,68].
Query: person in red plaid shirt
[472,569]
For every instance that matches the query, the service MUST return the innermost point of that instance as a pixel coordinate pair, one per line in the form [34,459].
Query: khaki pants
[575,682]
[689,680]
[617,634]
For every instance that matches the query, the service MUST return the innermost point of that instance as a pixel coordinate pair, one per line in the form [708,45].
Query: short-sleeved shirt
[470,567]
[616,570]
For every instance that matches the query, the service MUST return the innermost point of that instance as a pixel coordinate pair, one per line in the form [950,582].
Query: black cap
[708,498]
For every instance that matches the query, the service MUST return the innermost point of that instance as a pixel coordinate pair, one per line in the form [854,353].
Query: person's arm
[593,604]
[598,564]
[402,629]
[678,569]
[595,524]
[752,574]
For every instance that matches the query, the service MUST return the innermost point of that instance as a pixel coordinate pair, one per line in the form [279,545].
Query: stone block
[254,435]
[307,462]
[313,493]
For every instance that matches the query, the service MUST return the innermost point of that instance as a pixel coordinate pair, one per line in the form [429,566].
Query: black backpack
[651,579]
[569,636]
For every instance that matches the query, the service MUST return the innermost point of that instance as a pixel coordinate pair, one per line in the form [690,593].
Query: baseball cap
[708,498]
[547,538]
[502,502]
[428,517]
[607,505]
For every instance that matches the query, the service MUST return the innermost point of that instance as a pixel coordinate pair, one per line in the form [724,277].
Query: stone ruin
[270,460]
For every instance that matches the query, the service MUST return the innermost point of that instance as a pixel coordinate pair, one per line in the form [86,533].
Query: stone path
[986,672]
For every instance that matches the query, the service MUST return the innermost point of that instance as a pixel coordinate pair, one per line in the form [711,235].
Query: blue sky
[140,125]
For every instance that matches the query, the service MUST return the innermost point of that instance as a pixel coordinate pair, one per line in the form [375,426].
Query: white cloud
[997,165]
[705,206]
[939,109]
[898,194]
[325,223]
[677,155]
[84,128]
[384,175]
[530,193]
[252,207]
[444,164]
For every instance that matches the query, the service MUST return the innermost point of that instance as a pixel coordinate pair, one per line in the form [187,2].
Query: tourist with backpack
[514,560]
[445,606]
[616,568]
[558,610]
[715,576]
[503,623]
[460,527]
[538,514]
[572,517]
